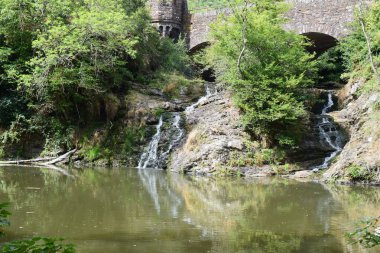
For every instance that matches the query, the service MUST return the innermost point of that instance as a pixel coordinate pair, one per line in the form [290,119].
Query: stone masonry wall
[330,17]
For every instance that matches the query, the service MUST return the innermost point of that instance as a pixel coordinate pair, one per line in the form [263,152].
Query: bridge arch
[321,42]
[198,47]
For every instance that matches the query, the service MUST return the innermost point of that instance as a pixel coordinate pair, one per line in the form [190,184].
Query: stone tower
[169,16]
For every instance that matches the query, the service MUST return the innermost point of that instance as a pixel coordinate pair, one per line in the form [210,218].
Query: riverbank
[204,136]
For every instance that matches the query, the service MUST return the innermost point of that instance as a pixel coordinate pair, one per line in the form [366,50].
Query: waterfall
[210,91]
[155,155]
[178,138]
[166,138]
[149,156]
[329,133]
[169,135]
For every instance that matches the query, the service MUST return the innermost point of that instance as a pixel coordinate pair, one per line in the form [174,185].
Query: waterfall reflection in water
[155,155]
[110,211]
[157,185]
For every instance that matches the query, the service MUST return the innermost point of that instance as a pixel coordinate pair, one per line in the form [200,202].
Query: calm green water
[132,210]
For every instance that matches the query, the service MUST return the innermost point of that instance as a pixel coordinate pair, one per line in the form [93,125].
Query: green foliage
[84,54]
[330,66]
[133,135]
[11,105]
[269,157]
[63,61]
[93,153]
[58,136]
[4,214]
[358,173]
[355,50]
[11,141]
[266,67]
[173,85]
[33,245]
[368,234]
[159,111]
[38,245]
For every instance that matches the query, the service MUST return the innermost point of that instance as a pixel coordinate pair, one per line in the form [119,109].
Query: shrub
[358,173]
[368,234]
[93,153]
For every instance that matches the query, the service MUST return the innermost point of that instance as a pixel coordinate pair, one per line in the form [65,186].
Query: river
[130,210]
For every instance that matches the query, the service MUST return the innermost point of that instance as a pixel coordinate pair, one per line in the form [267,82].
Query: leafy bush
[358,173]
[269,157]
[38,245]
[93,153]
[368,234]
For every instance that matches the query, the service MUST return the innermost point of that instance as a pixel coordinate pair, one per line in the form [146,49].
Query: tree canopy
[266,67]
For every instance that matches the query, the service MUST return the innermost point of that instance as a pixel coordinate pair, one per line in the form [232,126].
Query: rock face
[214,135]
[361,121]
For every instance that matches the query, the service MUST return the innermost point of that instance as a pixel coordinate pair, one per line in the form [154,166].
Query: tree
[361,49]
[266,67]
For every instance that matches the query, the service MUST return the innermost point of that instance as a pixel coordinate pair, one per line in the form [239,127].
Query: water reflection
[131,210]
[155,181]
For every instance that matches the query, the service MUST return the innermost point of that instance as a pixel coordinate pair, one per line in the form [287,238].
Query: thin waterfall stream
[169,130]
[329,133]
[149,156]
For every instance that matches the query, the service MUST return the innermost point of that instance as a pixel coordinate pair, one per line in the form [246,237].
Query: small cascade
[178,138]
[329,133]
[149,158]
[169,133]
[210,91]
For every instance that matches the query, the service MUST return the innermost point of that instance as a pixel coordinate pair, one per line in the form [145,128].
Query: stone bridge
[323,21]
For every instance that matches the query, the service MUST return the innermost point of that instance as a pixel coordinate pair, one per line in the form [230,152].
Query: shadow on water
[150,211]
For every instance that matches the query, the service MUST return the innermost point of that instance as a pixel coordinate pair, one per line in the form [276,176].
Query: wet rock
[359,120]
[303,174]
[215,133]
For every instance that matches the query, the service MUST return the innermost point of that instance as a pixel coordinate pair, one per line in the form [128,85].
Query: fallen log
[41,161]
[61,158]
[36,160]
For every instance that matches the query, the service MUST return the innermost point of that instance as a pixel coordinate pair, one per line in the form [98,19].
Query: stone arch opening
[206,74]
[330,66]
[321,42]
[199,47]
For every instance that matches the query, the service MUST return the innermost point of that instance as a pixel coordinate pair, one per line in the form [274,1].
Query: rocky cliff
[360,116]
[216,141]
